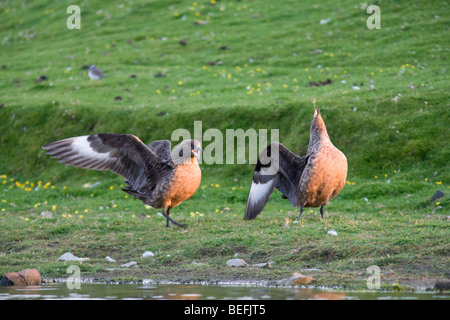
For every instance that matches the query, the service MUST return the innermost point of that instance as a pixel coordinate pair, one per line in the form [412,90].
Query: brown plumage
[156,175]
[308,181]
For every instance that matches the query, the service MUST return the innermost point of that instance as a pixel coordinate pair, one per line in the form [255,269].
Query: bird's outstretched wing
[277,167]
[123,154]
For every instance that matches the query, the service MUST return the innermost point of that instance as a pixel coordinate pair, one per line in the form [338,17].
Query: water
[60,291]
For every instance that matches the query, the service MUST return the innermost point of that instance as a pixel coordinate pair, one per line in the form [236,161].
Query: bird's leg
[301,212]
[321,212]
[167,216]
[170,219]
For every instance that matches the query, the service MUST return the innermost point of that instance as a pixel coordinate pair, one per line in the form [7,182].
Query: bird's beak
[316,112]
[197,151]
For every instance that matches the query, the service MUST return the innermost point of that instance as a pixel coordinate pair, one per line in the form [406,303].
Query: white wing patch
[82,147]
[259,191]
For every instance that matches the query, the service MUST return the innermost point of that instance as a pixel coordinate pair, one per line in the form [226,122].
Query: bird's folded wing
[277,167]
[123,154]
[162,148]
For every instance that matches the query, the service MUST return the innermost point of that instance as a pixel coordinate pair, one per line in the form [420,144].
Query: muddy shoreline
[390,285]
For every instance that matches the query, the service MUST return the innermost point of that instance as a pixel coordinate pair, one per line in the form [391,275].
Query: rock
[129,264]
[147,254]
[438,195]
[26,277]
[236,263]
[389,274]
[332,232]
[108,258]
[442,285]
[70,257]
[260,265]
[297,279]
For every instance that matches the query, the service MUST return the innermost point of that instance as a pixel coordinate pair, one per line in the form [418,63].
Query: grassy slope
[261,83]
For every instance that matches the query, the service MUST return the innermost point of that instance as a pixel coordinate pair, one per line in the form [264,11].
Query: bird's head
[187,150]
[317,124]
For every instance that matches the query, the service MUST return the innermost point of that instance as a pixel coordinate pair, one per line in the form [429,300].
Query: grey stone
[236,263]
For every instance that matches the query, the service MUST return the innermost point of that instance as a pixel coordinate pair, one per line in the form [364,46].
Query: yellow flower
[376,177]
[438,203]
[111,188]
[438,182]
[180,83]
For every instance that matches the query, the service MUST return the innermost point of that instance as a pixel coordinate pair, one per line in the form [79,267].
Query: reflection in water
[195,292]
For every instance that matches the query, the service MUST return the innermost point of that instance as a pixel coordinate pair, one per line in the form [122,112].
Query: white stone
[147,254]
[69,257]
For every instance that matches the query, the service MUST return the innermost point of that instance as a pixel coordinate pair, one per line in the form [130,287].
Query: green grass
[397,150]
